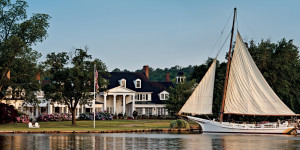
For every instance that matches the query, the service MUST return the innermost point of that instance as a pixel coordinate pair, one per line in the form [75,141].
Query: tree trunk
[73,116]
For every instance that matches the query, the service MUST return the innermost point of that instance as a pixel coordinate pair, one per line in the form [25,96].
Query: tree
[280,65]
[160,74]
[116,70]
[72,85]
[179,95]
[18,62]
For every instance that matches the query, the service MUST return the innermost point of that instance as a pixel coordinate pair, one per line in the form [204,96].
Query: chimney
[38,76]
[146,70]
[167,77]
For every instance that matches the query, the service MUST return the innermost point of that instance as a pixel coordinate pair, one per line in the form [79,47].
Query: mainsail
[248,93]
[200,102]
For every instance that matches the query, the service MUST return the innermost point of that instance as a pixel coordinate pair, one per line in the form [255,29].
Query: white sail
[248,92]
[200,102]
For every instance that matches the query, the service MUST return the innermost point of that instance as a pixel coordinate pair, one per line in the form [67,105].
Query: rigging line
[250,29]
[221,33]
[223,44]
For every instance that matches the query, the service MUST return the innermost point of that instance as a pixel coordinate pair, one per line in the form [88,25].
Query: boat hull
[226,127]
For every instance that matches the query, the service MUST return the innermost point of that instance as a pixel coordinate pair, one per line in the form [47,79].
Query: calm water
[122,141]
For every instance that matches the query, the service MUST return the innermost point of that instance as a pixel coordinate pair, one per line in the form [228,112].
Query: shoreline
[104,131]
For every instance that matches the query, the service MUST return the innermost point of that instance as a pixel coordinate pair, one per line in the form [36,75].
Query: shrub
[55,117]
[8,113]
[120,115]
[23,119]
[98,116]
[179,123]
[135,114]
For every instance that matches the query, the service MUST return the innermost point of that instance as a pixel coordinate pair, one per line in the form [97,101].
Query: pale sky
[128,34]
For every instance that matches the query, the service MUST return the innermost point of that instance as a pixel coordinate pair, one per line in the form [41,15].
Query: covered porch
[118,100]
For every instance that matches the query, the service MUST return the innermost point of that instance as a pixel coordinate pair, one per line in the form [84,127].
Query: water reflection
[147,141]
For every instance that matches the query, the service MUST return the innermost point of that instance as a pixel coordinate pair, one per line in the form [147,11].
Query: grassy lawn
[88,125]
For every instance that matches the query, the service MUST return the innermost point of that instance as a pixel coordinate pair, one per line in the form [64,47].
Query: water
[122,141]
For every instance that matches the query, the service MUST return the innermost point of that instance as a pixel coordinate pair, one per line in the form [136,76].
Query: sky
[128,34]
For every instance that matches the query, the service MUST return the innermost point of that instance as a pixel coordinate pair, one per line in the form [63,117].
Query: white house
[126,92]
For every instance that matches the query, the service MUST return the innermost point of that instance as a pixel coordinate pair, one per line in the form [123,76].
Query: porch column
[144,111]
[81,108]
[49,108]
[133,103]
[36,111]
[124,97]
[104,102]
[114,108]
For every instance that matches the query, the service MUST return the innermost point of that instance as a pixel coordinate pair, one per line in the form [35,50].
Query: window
[164,95]
[140,111]
[137,83]
[122,82]
[143,97]
[180,79]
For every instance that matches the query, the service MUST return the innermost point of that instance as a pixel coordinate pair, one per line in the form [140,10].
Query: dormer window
[138,83]
[122,82]
[164,95]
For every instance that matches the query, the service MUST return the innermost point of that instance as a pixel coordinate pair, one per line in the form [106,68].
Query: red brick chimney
[146,70]
[167,77]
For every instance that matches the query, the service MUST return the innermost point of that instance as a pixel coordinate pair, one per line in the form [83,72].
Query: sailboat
[246,92]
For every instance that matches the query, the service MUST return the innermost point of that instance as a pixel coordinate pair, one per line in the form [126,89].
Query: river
[124,141]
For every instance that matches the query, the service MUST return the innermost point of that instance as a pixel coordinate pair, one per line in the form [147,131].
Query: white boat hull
[226,127]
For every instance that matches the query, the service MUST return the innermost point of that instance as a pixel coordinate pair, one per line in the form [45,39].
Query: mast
[228,67]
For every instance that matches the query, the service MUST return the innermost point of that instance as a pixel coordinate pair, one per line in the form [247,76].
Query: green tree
[280,65]
[179,95]
[160,74]
[72,85]
[18,62]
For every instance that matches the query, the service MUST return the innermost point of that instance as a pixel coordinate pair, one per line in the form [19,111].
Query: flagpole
[94,92]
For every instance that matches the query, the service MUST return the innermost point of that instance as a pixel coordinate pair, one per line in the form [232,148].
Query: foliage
[179,95]
[160,74]
[179,123]
[280,65]
[23,119]
[72,85]
[98,116]
[18,62]
[55,117]
[119,70]
[8,113]
[135,113]
[120,115]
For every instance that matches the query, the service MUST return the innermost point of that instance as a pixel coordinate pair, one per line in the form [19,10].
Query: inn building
[126,92]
